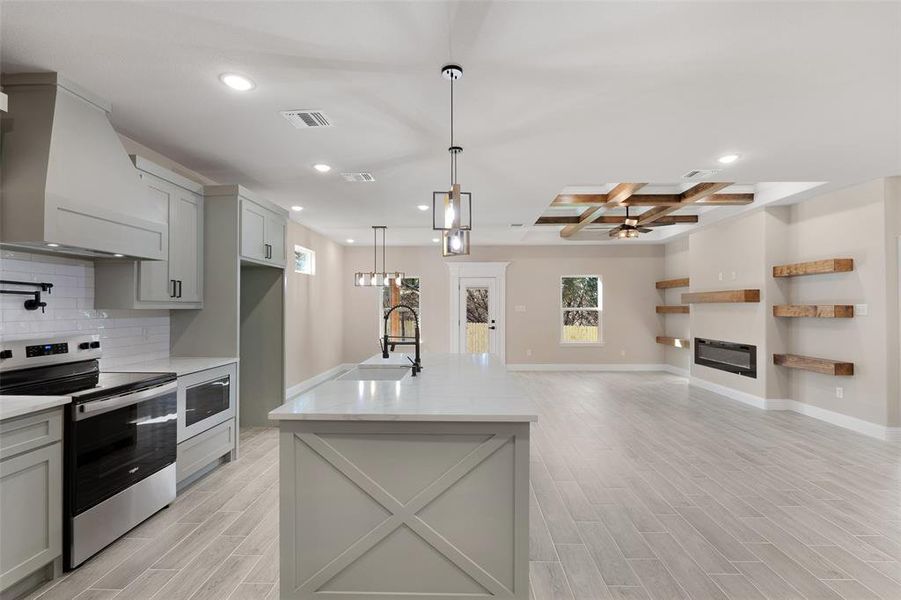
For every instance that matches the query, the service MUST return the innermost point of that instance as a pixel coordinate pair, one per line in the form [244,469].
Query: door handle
[492,327]
[89,409]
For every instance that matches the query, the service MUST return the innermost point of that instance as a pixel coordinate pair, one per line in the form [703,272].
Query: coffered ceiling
[557,98]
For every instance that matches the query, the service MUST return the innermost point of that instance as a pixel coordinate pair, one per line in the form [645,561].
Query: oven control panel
[17,354]
[46,349]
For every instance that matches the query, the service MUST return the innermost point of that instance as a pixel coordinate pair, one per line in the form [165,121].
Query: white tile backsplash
[127,336]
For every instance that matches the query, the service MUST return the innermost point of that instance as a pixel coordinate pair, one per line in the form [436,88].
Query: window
[400,323]
[580,309]
[304,260]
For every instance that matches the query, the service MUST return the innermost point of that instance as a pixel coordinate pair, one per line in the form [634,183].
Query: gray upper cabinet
[263,231]
[253,230]
[173,283]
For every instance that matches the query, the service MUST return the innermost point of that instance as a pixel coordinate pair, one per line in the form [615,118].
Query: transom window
[304,260]
[580,309]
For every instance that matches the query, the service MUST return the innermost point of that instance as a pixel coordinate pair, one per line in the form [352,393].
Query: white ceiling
[554,94]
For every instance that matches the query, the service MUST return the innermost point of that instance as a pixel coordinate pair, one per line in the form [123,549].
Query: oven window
[116,449]
[207,399]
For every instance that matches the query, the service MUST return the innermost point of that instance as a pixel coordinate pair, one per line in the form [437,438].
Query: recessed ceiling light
[118,255]
[422,207]
[53,245]
[297,208]
[322,167]
[727,159]
[435,240]
[350,241]
[237,82]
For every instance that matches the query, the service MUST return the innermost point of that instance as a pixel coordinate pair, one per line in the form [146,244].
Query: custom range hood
[66,183]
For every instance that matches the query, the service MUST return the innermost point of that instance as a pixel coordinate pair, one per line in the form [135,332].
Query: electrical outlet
[733,275]
[839,392]
[719,276]
[622,352]
[529,352]
[520,308]
[860,310]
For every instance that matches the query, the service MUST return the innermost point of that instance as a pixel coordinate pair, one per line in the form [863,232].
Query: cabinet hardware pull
[172,293]
[179,288]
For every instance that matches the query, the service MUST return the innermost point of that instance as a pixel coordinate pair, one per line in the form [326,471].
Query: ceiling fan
[629,229]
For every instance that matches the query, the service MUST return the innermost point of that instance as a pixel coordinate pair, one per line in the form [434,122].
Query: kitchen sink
[375,374]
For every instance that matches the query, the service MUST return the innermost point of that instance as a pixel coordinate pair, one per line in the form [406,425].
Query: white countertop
[395,359]
[17,406]
[451,387]
[180,365]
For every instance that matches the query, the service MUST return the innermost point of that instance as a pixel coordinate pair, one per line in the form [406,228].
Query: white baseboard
[873,430]
[586,367]
[677,371]
[308,384]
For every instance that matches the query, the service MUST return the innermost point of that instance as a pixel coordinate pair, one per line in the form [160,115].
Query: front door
[478,315]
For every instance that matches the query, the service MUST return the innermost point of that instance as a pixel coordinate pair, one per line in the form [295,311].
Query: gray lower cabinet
[199,452]
[30,496]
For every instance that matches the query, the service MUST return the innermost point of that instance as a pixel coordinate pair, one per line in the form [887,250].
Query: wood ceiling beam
[676,199]
[587,200]
[616,197]
[613,220]
[688,197]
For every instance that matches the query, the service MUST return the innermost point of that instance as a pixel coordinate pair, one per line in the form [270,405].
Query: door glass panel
[477,320]
[205,400]
[115,449]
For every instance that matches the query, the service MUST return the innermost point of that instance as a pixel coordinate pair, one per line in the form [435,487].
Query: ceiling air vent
[304,119]
[358,177]
[700,173]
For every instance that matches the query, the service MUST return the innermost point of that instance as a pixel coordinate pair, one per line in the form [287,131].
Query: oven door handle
[97,407]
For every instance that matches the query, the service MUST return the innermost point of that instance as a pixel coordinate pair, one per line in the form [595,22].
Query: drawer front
[202,449]
[29,432]
[31,519]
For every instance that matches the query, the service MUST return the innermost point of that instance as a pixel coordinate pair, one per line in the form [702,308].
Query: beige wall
[677,263]
[730,255]
[314,307]
[837,224]
[533,278]
[840,224]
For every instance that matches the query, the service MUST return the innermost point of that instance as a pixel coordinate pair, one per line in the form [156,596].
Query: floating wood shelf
[721,296]
[817,365]
[674,342]
[815,267]
[817,311]
[673,309]
[672,283]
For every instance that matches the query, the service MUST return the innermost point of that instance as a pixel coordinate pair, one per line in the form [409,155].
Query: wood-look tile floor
[641,488]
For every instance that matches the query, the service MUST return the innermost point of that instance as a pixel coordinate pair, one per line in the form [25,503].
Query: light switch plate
[520,308]
[860,310]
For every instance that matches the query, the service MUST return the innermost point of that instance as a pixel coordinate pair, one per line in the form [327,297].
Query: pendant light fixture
[452,209]
[376,278]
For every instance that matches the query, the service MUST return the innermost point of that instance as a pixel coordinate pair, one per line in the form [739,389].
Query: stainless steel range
[119,437]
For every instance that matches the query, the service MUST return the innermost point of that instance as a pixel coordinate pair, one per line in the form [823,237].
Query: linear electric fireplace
[727,356]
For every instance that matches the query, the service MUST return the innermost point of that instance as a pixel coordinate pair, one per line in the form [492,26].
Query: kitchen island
[393,485]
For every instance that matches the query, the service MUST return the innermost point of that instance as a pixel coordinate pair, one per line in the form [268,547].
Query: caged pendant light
[376,278]
[452,209]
